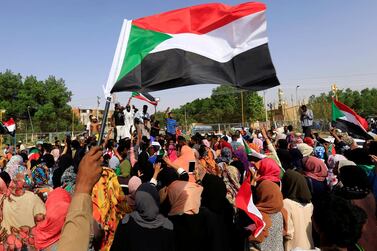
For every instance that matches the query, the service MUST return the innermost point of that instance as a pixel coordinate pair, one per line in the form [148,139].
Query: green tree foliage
[363,102]
[223,106]
[46,100]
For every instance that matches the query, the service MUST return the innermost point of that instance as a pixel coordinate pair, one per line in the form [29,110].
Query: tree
[223,106]
[363,102]
[46,100]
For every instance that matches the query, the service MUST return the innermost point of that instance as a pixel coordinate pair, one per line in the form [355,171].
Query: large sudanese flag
[204,44]
[347,120]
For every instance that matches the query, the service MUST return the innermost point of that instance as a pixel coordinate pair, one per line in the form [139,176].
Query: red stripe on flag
[199,19]
[145,99]
[244,201]
[345,108]
[10,122]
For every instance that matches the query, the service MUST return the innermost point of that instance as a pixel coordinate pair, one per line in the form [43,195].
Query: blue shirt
[171,124]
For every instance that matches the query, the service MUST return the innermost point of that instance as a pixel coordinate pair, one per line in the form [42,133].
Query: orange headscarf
[108,205]
[187,155]
[184,197]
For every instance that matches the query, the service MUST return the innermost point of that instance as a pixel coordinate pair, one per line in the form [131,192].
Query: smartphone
[191,166]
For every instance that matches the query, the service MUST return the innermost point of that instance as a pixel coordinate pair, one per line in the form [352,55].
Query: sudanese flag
[204,44]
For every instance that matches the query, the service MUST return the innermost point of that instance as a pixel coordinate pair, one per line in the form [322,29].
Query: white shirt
[128,118]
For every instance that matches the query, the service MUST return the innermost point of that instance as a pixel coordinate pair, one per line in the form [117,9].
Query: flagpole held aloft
[104,120]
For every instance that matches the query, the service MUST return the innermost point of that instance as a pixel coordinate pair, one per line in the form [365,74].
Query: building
[83,115]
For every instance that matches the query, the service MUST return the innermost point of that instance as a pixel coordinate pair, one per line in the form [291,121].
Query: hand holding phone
[191,166]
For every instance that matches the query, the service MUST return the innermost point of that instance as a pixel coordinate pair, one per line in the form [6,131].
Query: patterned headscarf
[241,155]
[14,166]
[226,156]
[68,179]
[108,205]
[39,174]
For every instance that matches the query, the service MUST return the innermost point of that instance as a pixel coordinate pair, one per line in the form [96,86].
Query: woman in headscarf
[297,203]
[108,206]
[145,228]
[240,161]
[172,152]
[40,177]
[269,201]
[184,198]
[332,163]
[207,160]
[186,154]
[354,186]
[218,212]
[230,174]
[268,169]
[20,211]
[133,185]
[68,179]
[64,162]
[15,166]
[315,171]
[47,232]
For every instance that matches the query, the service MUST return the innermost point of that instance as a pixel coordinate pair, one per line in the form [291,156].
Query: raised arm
[77,226]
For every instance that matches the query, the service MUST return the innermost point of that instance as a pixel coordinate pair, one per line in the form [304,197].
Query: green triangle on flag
[336,112]
[140,43]
[247,148]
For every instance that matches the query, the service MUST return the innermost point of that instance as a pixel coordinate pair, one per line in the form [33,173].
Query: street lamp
[296,94]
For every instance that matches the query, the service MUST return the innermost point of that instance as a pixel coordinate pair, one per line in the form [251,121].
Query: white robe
[128,122]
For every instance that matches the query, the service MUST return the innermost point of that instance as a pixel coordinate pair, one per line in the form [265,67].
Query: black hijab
[353,183]
[147,213]
[295,187]
[214,193]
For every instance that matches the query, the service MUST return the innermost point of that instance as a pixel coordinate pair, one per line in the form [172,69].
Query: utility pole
[265,104]
[243,118]
[297,102]
[73,122]
[98,103]
[31,124]
[186,119]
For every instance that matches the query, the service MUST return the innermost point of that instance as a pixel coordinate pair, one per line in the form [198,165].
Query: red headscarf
[269,170]
[47,232]
[309,141]
[315,168]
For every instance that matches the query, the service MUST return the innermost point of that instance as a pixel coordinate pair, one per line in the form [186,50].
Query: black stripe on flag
[352,129]
[251,70]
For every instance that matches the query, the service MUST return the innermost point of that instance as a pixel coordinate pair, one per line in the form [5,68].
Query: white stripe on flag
[350,118]
[223,43]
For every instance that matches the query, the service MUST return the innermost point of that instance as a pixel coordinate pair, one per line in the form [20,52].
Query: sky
[313,44]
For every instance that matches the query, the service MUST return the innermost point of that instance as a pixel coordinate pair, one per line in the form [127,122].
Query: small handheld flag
[347,120]
[8,127]
[145,97]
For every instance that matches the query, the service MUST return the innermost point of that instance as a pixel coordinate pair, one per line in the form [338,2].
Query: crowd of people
[147,188]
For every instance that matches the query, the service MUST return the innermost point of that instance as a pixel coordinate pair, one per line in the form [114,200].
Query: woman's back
[299,232]
[132,237]
[190,232]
